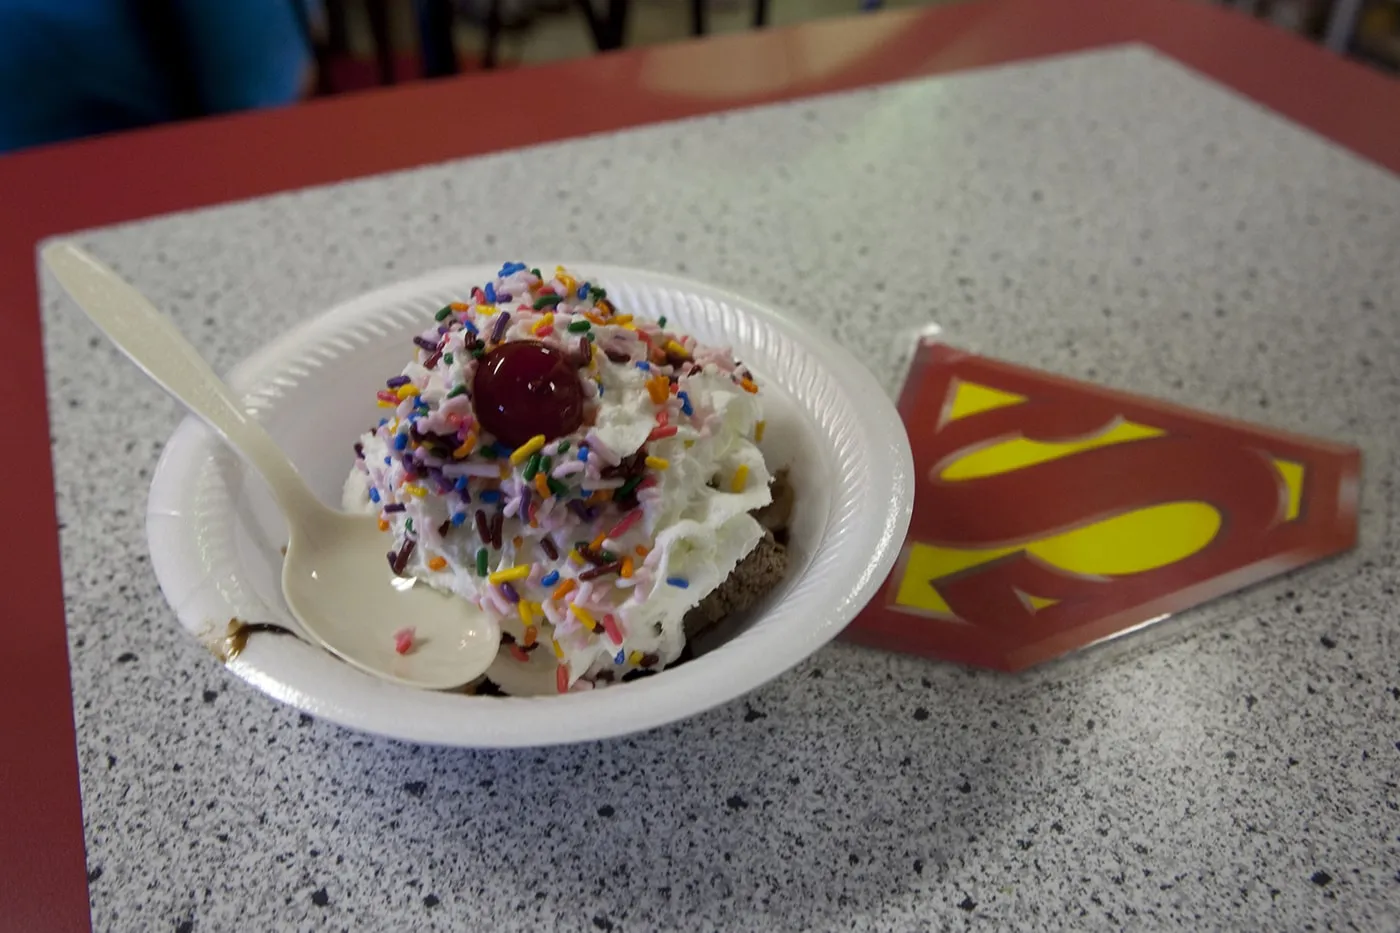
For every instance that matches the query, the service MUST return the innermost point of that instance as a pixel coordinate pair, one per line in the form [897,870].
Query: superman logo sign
[1050,514]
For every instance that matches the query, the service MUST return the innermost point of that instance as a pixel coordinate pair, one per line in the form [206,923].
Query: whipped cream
[592,546]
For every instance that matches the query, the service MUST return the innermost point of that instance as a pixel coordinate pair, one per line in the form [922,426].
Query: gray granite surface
[1109,216]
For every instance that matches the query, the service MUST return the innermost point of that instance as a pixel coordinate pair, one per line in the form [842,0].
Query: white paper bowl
[216,537]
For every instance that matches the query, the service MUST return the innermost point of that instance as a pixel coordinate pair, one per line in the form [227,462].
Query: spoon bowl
[336,578]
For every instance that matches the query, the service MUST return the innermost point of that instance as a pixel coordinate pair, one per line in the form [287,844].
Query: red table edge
[97,182]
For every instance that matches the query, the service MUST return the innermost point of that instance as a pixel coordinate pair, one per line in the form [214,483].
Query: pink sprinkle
[610,626]
[662,433]
[649,482]
[519,653]
[545,331]
[561,678]
[403,640]
[624,526]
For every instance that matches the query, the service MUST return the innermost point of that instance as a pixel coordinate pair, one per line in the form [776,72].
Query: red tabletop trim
[62,188]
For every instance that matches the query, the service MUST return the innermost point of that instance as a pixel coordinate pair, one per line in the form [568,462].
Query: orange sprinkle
[600,495]
[564,589]
[642,551]
[598,541]
[749,386]
[467,447]
[595,317]
[437,563]
[517,541]
[627,568]
[458,306]
[531,634]
[383,525]
[657,388]
[542,485]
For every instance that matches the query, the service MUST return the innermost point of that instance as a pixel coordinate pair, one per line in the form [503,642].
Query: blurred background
[71,68]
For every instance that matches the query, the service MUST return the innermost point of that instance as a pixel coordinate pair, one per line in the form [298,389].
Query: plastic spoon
[336,579]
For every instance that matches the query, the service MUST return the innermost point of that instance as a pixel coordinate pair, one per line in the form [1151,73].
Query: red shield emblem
[1051,514]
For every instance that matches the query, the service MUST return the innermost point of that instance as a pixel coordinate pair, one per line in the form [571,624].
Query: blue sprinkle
[461,484]
[383,421]
[550,578]
[680,583]
[490,496]
[600,390]
[490,290]
[459,517]
[470,326]
[373,494]
[644,366]
[582,454]
[621,656]
[388,461]
[685,403]
[583,291]
[400,441]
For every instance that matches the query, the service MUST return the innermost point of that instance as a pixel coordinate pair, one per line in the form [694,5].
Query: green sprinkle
[661,321]
[481,562]
[536,273]
[547,465]
[408,526]
[607,557]
[442,315]
[578,327]
[627,487]
[479,352]
[556,487]
[597,294]
[460,390]
[563,447]
[447,358]
[532,466]
[547,301]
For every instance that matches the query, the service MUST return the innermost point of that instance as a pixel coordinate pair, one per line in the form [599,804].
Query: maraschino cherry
[524,389]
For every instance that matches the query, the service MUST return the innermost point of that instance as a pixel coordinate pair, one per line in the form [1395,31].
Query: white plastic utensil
[336,578]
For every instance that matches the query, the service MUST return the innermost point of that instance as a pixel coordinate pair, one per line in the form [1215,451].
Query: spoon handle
[151,341]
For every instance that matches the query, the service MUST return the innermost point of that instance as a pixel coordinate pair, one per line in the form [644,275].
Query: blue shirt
[72,68]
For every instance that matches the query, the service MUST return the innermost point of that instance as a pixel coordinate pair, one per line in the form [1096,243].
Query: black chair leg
[435,19]
[378,11]
[493,34]
[760,14]
[698,26]
[337,36]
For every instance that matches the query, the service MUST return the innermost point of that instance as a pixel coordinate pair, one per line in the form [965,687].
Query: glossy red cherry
[524,389]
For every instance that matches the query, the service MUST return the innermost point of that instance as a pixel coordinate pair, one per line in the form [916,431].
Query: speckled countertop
[1108,216]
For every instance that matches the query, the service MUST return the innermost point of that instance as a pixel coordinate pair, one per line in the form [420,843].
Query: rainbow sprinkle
[446,470]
